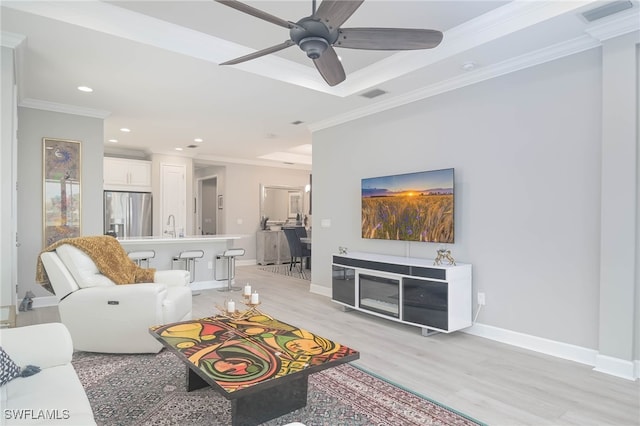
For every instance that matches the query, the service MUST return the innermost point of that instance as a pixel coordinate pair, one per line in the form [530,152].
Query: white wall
[7,191]
[619,189]
[35,125]
[526,153]
[242,199]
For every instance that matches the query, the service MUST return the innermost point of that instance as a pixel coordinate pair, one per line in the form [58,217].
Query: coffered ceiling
[153,66]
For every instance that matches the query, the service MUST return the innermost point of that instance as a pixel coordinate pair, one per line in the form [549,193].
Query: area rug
[284,270]
[150,389]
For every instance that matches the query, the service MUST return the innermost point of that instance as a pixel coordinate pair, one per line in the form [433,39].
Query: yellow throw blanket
[109,256]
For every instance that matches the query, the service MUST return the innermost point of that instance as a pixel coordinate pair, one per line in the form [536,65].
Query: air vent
[295,123]
[373,93]
[606,10]
[192,146]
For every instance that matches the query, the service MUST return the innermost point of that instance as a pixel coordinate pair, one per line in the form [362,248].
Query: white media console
[404,289]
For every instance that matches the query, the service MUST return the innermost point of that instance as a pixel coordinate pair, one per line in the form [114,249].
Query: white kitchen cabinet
[122,174]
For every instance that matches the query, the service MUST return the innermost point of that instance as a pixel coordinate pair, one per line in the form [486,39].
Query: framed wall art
[295,204]
[61,189]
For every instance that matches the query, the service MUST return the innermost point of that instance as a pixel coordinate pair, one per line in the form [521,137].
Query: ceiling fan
[319,33]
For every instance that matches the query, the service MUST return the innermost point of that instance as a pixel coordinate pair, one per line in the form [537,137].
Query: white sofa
[55,394]
[104,317]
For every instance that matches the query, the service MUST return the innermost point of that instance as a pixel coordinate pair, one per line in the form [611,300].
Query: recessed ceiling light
[178,149]
[85,89]
[113,140]
[124,129]
[469,66]
[197,140]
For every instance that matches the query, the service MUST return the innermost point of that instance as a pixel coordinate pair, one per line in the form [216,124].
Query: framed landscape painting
[61,204]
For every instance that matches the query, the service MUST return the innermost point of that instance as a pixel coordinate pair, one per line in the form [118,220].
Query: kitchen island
[210,272]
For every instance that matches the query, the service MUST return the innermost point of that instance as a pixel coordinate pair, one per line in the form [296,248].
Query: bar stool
[230,255]
[189,258]
[143,256]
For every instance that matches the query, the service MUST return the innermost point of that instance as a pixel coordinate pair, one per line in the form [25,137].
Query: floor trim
[616,367]
[601,363]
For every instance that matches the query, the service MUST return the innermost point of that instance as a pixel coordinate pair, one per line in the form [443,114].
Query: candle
[231,306]
[247,290]
[254,298]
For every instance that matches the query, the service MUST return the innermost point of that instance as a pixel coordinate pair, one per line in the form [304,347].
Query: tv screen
[410,207]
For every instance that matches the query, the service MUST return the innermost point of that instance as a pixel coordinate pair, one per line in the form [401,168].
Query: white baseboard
[45,301]
[616,367]
[538,344]
[629,370]
[320,289]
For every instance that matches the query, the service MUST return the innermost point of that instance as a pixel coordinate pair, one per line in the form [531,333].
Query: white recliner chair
[104,317]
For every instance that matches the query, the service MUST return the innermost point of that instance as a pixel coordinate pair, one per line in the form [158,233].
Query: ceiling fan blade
[257,13]
[388,38]
[259,53]
[335,13]
[330,67]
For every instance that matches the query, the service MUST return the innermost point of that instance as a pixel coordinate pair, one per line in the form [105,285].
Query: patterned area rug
[284,270]
[151,390]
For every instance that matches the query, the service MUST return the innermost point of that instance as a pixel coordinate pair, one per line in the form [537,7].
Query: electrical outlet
[210,264]
[481,300]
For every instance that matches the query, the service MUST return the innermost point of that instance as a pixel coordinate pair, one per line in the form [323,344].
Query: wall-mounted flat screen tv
[410,207]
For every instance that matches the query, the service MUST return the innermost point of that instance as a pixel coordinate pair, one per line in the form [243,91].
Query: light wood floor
[492,382]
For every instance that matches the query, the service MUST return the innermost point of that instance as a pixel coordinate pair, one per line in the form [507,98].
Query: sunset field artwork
[410,207]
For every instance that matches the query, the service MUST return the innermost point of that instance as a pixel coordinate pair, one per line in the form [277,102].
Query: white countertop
[179,240]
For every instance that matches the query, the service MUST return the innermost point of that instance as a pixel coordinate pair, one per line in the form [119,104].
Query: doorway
[207,211]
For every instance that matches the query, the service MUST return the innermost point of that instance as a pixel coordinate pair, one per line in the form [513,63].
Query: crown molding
[114,20]
[63,108]
[518,63]
[12,40]
[615,27]
[595,34]
[214,159]
[500,22]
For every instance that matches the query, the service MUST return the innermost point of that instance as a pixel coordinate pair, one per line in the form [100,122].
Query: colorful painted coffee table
[261,364]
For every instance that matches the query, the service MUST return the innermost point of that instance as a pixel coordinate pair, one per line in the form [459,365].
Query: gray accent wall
[527,149]
[34,125]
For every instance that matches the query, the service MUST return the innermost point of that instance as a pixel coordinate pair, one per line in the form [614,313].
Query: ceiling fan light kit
[319,33]
[314,47]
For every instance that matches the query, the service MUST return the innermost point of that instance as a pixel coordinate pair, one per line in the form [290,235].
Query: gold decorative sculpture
[444,254]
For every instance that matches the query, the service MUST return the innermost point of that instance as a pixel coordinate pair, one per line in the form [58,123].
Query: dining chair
[298,250]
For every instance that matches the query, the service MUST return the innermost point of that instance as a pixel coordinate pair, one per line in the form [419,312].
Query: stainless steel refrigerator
[128,214]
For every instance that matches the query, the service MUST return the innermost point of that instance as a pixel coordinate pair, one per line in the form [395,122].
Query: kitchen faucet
[171,221]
